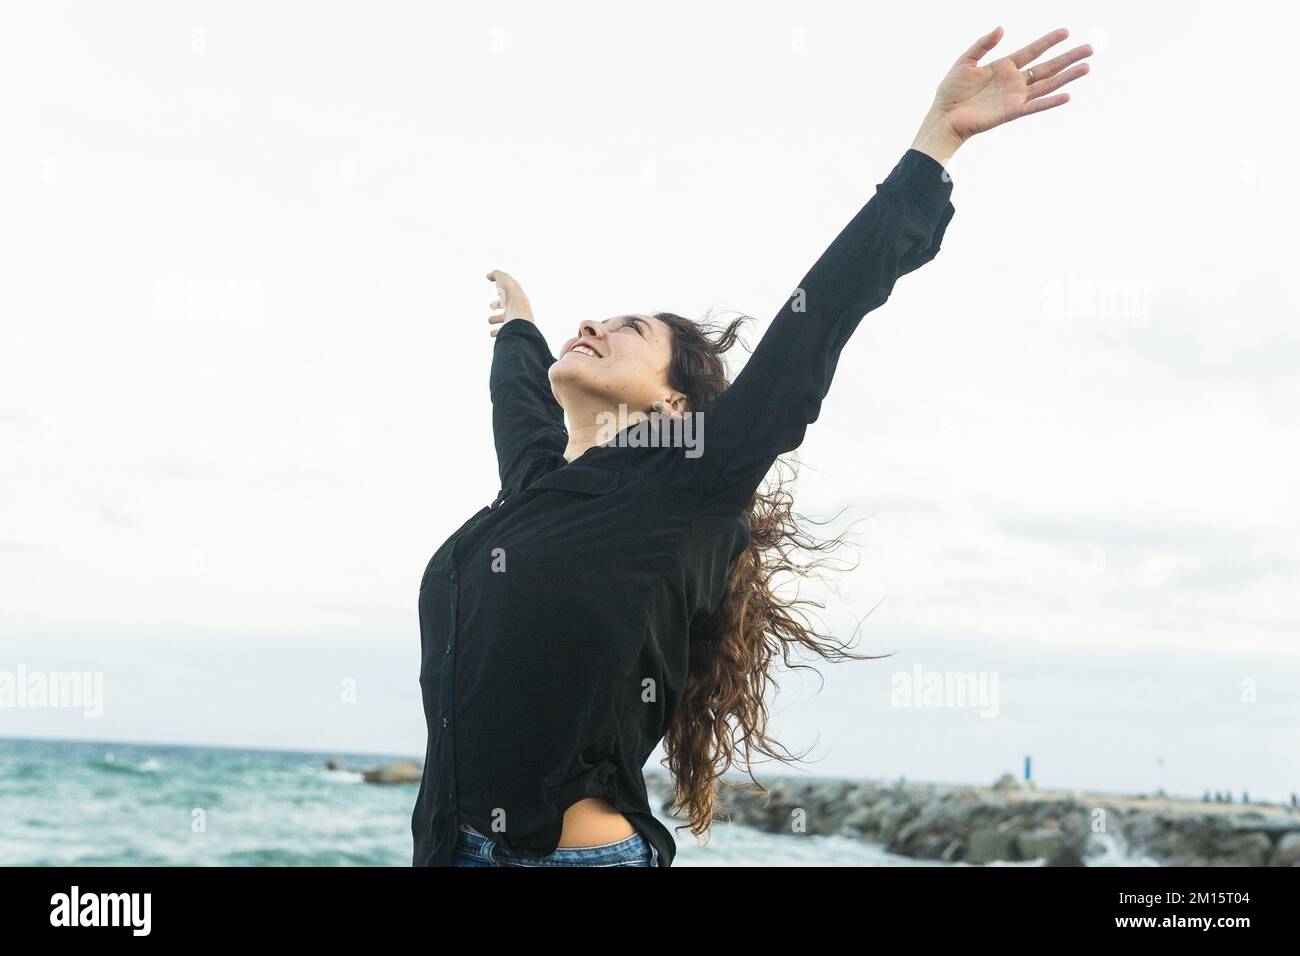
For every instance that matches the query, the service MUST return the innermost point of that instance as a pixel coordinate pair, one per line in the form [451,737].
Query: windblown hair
[721,721]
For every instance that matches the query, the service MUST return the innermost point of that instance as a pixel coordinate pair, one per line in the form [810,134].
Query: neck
[593,425]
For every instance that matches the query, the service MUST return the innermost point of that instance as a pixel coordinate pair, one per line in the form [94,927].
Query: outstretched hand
[974,99]
[510,300]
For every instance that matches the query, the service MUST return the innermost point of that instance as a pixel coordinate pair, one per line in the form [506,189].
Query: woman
[616,593]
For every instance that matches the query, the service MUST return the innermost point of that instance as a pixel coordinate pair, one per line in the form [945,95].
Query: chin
[567,375]
[562,370]
[574,366]
[570,379]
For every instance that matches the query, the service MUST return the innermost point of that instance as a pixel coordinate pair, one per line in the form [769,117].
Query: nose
[590,327]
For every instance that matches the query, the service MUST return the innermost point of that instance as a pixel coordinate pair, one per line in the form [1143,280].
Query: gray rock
[1040,844]
[1243,849]
[1287,851]
[404,771]
[988,846]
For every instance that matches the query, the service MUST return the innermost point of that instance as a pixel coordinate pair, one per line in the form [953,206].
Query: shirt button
[448,647]
[444,721]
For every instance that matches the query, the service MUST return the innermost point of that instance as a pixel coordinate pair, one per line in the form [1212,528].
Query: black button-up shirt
[555,623]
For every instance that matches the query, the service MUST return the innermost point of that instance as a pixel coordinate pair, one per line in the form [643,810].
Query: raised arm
[767,409]
[527,422]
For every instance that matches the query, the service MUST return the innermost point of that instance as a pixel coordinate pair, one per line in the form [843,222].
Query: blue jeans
[474,849]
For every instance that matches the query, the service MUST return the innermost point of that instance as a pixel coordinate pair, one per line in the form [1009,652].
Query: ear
[674,404]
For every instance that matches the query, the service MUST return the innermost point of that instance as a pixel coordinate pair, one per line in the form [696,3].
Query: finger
[1040,46]
[981,46]
[496,304]
[1052,67]
[497,318]
[1038,105]
[1042,88]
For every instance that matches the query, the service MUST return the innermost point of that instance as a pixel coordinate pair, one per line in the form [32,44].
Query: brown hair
[722,718]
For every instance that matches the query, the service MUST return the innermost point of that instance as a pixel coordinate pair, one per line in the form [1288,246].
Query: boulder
[1007,782]
[404,771]
[988,846]
[1040,844]
[1287,851]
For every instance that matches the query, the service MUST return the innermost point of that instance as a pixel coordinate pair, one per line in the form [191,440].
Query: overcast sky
[243,376]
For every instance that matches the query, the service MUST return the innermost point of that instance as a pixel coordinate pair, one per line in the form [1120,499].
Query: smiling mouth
[584,350]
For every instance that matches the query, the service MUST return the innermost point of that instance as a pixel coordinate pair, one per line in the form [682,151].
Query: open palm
[974,98]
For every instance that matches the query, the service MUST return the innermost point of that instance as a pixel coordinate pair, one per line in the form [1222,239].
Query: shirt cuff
[523,329]
[515,327]
[924,181]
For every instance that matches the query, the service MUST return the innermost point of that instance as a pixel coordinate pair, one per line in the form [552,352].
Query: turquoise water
[68,803]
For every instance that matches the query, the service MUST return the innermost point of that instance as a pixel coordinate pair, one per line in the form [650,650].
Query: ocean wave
[342,776]
[110,763]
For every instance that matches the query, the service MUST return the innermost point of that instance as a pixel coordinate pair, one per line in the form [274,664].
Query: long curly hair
[722,719]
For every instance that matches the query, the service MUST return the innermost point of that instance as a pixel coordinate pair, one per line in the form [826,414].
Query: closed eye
[636,323]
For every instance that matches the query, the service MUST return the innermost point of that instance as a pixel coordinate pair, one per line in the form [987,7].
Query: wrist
[936,138]
[519,308]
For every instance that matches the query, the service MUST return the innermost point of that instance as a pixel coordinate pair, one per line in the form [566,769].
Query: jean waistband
[630,848]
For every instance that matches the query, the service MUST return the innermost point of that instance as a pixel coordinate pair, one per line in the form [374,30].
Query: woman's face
[623,359]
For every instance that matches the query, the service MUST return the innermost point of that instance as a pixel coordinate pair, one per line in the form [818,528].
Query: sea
[80,803]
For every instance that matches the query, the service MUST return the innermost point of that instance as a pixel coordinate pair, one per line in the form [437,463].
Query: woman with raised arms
[618,590]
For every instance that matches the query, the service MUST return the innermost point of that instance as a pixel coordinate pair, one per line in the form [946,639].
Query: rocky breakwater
[1010,822]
